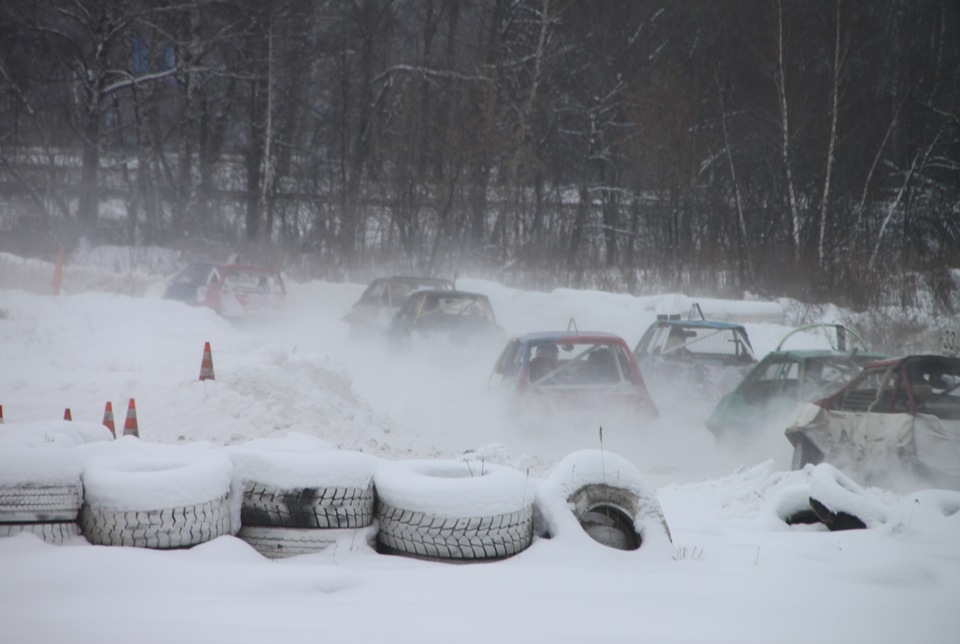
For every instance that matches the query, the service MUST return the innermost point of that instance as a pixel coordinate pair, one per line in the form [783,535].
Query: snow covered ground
[735,571]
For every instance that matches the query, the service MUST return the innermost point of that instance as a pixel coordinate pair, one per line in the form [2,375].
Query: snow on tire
[840,503]
[453,510]
[307,507]
[156,496]
[33,503]
[299,483]
[54,532]
[276,543]
[40,493]
[602,496]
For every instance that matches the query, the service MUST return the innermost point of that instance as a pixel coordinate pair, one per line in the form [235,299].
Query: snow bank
[51,433]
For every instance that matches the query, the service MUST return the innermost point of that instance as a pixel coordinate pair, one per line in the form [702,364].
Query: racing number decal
[950,341]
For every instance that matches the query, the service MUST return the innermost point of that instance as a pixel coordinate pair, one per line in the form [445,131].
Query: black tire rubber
[608,498]
[180,527]
[38,502]
[55,533]
[326,507]
[840,503]
[277,543]
[427,536]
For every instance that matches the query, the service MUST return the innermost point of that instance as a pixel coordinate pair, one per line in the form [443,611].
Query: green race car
[768,396]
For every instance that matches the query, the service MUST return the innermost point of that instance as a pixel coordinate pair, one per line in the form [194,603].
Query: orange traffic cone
[130,425]
[67,415]
[206,365]
[108,418]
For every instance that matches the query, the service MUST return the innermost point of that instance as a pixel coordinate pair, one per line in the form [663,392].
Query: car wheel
[608,499]
[453,510]
[840,503]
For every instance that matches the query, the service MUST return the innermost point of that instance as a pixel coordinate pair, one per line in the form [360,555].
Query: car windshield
[569,365]
[394,292]
[697,342]
[252,280]
[194,274]
[457,306]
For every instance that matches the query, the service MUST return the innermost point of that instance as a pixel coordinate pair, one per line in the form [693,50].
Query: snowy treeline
[811,148]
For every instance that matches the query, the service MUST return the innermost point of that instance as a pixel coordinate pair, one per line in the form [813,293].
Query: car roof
[700,324]
[243,267]
[447,293]
[799,355]
[571,337]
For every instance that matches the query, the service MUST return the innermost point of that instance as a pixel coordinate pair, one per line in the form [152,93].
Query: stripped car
[383,298]
[709,356]
[897,417]
[769,394]
[568,371]
[233,290]
[444,319]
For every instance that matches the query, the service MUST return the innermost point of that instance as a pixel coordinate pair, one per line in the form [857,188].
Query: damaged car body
[769,394]
[711,356]
[898,416]
[572,371]
[371,314]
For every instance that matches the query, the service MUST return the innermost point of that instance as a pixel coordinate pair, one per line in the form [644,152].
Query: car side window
[508,364]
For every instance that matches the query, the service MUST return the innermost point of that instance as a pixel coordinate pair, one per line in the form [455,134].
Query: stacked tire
[296,503]
[454,511]
[40,493]
[166,497]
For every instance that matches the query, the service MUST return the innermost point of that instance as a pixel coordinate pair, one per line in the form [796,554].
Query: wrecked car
[571,371]
[769,394]
[232,290]
[898,416]
[371,314]
[441,319]
[710,356]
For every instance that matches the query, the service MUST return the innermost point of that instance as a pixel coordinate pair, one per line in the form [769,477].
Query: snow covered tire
[179,527]
[277,543]
[607,498]
[840,503]
[55,532]
[38,502]
[453,510]
[323,507]
[420,534]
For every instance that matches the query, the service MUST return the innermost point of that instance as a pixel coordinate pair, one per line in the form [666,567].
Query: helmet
[547,351]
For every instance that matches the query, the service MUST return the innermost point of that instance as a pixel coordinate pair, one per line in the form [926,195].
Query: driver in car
[544,361]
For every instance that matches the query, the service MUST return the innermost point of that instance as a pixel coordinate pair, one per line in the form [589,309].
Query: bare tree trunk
[892,208]
[781,82]
[742,239]
[831,145]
